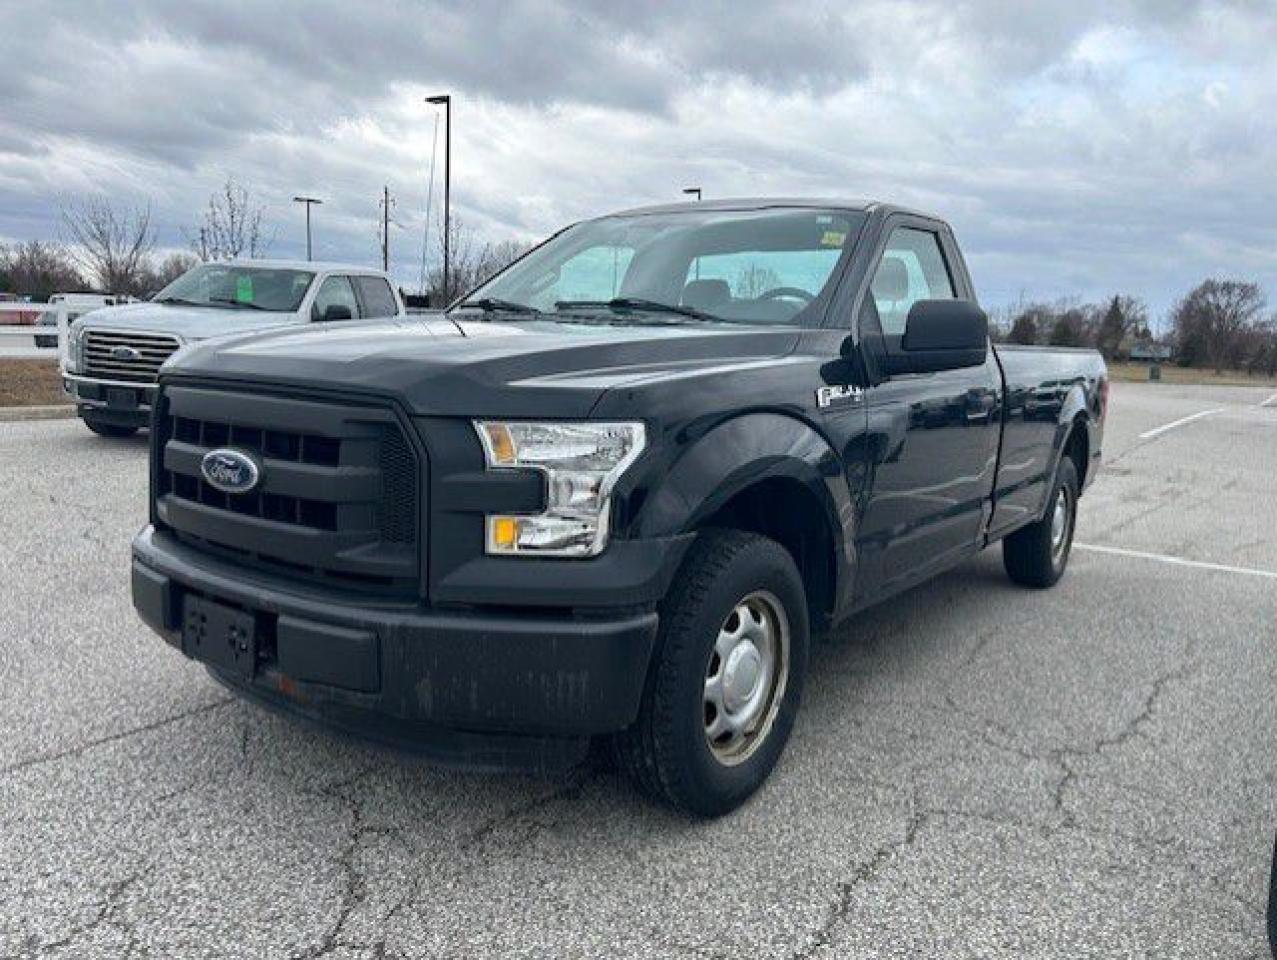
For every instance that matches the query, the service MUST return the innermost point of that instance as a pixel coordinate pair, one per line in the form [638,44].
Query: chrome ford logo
[230,470]
[125,353]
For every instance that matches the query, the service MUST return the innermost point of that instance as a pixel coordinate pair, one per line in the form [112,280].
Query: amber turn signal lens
[500,443]
[505,533]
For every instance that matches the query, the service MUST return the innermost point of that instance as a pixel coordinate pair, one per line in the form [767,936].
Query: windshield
[743,266]
[236,287]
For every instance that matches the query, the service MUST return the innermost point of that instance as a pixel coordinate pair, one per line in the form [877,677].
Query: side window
[335,291]
[912,269]
[377,298]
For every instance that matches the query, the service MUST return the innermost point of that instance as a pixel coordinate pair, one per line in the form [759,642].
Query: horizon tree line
[1221,323]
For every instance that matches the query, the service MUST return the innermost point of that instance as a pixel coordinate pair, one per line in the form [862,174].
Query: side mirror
[336,311]
[941,335]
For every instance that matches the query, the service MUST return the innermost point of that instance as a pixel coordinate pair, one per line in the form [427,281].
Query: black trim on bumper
[90,401]
[402,671]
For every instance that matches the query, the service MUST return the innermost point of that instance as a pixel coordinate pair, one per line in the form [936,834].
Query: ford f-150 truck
[113,355]
[613,492]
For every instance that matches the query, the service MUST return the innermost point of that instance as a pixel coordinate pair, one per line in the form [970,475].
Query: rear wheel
[1036,555]
[727,676]
[113,430]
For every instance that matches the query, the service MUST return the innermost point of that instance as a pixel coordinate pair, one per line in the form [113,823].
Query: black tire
[113,430]
[667,752]
[1034,556]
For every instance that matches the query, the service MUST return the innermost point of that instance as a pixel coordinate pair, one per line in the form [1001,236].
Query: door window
[378,299]
[335,291]
[912,269]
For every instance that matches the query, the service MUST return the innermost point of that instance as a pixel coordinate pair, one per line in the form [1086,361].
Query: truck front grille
[338,497]
[125,355]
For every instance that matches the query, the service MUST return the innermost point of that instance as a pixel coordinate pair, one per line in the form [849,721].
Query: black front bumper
[481,688]
[117,404]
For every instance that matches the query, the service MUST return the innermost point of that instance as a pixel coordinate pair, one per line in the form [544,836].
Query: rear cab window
[376,296]
[335,292]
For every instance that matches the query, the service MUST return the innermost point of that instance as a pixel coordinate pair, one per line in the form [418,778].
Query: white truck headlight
[75,348]
[581,463]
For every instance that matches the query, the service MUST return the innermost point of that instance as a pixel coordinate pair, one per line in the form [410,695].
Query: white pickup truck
[114,354]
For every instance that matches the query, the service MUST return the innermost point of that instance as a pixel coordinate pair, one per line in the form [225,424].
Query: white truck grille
[124,355]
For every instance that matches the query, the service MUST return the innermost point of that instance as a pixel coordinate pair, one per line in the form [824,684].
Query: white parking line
[1270,401]
[1177,561]
[1158,431]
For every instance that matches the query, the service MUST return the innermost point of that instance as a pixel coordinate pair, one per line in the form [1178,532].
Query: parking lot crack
[523,814]
[80,749]
[1065,757]
[108,913]
[844,898]
[354,885]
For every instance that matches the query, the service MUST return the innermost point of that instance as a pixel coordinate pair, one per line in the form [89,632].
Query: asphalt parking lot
[978,770]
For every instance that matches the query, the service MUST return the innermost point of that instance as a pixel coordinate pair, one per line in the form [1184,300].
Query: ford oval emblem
[230,471]
[126,353]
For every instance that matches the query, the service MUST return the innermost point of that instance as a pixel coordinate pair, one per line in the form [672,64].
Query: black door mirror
[941,335]
[336,311]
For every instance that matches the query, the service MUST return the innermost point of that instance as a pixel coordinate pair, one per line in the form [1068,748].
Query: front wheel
[727,676]
[1036,555]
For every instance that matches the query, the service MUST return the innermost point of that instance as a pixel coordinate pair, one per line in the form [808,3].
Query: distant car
[78,304]
[21,318]
[114,355]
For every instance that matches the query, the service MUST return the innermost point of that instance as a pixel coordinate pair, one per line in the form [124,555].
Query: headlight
[75,348]
[581,463]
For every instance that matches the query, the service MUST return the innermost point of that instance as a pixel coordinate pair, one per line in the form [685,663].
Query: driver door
[933,437]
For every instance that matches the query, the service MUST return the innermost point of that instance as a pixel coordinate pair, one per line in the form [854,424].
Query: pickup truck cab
[114,354]
[613,492]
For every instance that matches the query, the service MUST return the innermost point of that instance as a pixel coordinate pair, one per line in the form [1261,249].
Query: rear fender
[1074,416]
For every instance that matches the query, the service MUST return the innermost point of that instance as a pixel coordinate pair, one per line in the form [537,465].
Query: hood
[188,323]
[480,368]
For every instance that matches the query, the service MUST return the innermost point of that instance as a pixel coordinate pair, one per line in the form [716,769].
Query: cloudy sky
[1079,148]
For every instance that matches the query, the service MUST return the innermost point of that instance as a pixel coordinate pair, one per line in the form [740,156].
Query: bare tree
[160,275]
[1024,329]
[1124,317]
[111,245]
[231,226]
[753,280]
[1211,321]
[38,270]
[471,262]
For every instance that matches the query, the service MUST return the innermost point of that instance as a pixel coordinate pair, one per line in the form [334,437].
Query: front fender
[736,454]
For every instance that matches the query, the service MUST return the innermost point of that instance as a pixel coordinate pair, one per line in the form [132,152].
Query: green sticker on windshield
[244,288]
[833,238]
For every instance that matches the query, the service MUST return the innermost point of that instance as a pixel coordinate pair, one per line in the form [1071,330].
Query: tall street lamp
[308,201]
[693,190]
[446,101]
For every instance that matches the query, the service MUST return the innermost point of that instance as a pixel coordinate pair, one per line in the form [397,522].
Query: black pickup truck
[612,493]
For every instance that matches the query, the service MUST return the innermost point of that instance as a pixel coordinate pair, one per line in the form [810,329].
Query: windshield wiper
[638,303]
[236,303]
[496,305]
[181,301]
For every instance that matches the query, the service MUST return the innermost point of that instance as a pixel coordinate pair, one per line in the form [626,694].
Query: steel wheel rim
[745,677]
[1061,523]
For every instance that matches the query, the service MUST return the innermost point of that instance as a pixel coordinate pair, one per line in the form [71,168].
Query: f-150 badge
[839,391]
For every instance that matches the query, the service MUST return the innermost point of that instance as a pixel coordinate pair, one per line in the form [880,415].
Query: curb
[58,412]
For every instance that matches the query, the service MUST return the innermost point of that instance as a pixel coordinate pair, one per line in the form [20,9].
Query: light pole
[446,101]
[693,190]
[308,201]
